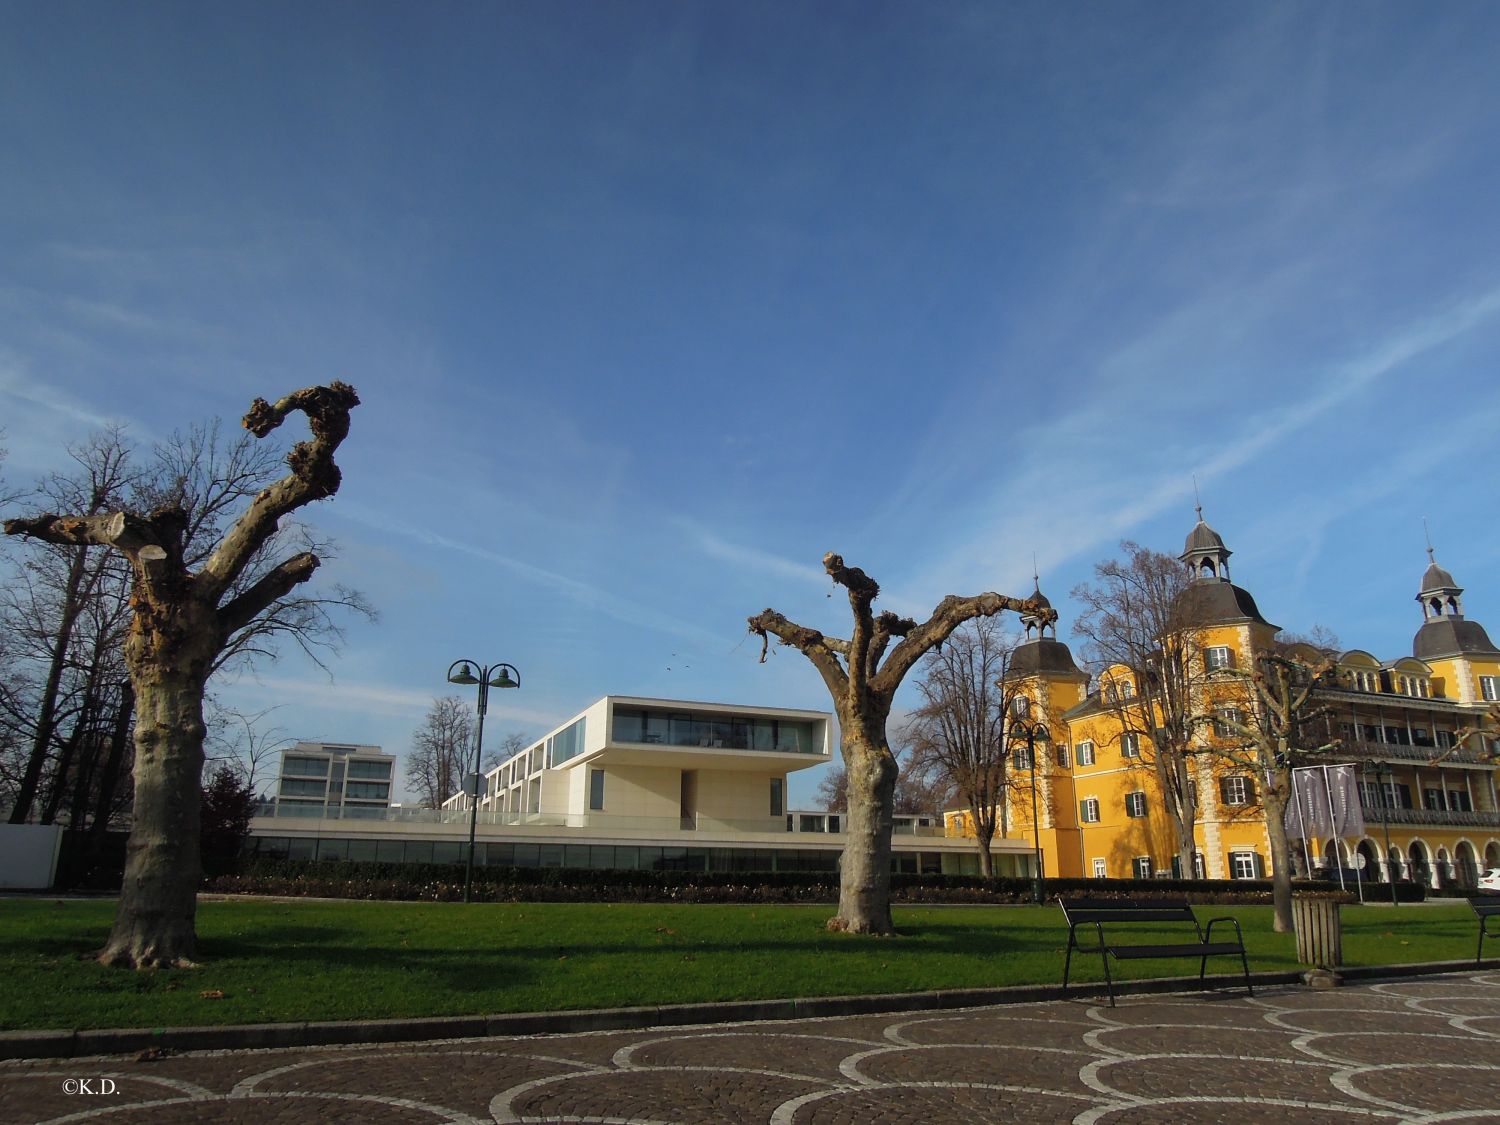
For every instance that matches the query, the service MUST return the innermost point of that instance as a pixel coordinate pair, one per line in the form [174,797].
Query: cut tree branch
[313,476]
[950,614]
[277,583]
[811,643]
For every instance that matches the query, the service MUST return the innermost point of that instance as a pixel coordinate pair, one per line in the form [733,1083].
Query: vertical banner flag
[1325,803]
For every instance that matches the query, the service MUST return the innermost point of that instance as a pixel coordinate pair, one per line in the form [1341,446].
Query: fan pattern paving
[1415,1050]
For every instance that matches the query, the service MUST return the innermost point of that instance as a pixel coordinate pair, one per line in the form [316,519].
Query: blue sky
[652,304]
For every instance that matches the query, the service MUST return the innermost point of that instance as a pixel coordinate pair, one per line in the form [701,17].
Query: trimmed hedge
[445,883]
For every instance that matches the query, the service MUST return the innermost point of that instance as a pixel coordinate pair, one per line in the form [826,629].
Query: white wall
[28,855]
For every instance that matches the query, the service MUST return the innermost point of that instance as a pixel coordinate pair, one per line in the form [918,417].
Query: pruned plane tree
[862,675]
[182,620]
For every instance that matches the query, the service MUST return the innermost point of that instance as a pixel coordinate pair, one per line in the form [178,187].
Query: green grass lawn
[285,961]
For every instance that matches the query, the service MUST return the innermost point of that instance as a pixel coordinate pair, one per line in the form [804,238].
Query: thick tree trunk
[1274,802]
[154,927]
[865,867]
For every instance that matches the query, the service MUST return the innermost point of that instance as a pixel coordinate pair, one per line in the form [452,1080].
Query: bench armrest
[1074,943]
[1235,922]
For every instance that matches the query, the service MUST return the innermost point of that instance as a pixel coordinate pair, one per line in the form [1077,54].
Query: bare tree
[185,618]
[510,745]
[47,607]
[441,750]
[862,678]
[1143,634]
[959,730]
[918,792]
[244,743]
[1270,725]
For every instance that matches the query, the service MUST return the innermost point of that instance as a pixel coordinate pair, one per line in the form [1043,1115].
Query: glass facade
[583,856]
[567,743]
[379,771]
[728,732]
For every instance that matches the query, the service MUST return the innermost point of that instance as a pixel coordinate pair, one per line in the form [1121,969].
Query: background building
[325,779]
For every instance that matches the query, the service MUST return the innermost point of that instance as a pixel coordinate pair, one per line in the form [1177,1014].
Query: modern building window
[777,799]
[1101,869]
[568,743]
[312,767]
[596,790]
[1489,688]
[1236,790]
[1085,754]
[1216,657]
[376,771]
[1135,804]
[1088,810]
[1130,745]
[1143,867]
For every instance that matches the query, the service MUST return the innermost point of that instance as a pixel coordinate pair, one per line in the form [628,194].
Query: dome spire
[1204,552]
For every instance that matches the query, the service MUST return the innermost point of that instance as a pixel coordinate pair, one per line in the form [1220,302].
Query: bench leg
[1067,962]
[1109,984]
[1245,964]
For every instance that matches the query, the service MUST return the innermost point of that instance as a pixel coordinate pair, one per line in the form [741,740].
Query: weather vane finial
[1427,534]
[1197,500]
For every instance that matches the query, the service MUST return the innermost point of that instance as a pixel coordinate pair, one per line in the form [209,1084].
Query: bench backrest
[1077,910]
[1486,907]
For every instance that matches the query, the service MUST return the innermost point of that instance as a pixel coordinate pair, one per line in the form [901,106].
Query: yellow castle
[1419,731]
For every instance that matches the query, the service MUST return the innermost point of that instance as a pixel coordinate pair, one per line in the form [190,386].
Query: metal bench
[1157,912]
[1486,909]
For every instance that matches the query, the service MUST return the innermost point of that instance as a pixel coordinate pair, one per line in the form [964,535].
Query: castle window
[1236,790]
[1143,867]
[1130,745]
[1135,804]
[1088,810]
[1489,688]
[1101,870]
[1217,657]
[1085,754]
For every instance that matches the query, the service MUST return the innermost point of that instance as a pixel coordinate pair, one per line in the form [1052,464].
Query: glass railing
[599,822]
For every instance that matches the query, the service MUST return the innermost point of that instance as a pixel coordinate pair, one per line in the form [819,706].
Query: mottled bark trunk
[154,927]
[865,867]
[1274,803]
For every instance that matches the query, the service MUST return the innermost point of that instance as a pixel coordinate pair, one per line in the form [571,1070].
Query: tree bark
[1274,803]
[155,926]
[865,866]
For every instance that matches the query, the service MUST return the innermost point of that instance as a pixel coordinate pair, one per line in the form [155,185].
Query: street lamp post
[1033,732]
[1382,772]
[493,675]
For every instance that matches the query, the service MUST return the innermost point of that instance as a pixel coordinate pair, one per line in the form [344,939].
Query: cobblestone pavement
[1414,1050]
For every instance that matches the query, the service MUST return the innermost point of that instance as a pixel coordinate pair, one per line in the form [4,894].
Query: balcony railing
[1449,818]
[1394,751]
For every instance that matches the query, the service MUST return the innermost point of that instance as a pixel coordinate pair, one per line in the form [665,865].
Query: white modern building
[635,783]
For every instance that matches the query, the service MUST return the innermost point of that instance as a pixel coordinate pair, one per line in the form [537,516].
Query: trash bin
[1319,934]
